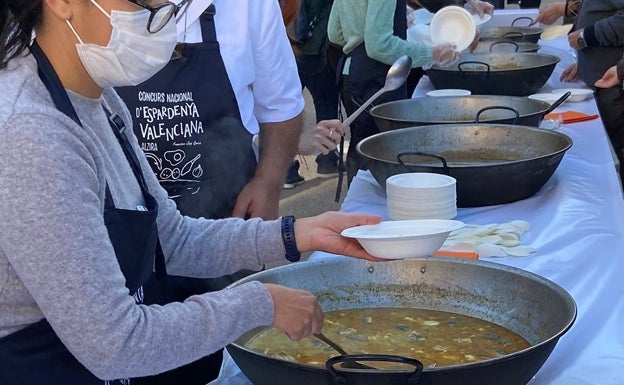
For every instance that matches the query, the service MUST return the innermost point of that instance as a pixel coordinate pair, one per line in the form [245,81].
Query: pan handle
[438,157]
[513,34]
[515,121]
[505,42]
[522,18]
[557,103]
[463,72]
[339,377]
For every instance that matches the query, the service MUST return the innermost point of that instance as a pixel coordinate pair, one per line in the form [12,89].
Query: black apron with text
[35,355]
[188,124]
[366,77]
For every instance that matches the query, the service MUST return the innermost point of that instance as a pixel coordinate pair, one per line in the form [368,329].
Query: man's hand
[550,14]
[609,79]
[573,39]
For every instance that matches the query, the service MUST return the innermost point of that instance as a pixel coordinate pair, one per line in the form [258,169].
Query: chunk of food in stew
[434,337]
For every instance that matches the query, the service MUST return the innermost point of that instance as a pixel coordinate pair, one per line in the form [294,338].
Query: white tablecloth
[577,227]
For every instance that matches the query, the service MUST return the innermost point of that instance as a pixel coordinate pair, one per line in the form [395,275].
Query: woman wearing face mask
[84,222]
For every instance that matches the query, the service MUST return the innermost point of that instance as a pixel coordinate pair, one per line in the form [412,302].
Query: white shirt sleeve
[257,55]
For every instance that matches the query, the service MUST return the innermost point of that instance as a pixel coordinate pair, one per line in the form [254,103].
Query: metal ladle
[397,74]
[339,349]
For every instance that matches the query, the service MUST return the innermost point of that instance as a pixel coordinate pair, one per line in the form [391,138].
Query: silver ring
[331,131]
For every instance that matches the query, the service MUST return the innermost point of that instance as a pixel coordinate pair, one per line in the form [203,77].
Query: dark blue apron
[367,76]
[188,123]
[35,355]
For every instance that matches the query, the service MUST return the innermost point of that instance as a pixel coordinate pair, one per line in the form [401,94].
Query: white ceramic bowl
[403,239]
[421,195]
[577,94]
[421,180]
[453,24]
[448,92]
[549,98]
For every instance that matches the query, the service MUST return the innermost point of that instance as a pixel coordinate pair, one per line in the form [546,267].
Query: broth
[436,338]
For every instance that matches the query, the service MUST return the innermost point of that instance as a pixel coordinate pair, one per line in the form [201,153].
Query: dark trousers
[610,102]
[319,77]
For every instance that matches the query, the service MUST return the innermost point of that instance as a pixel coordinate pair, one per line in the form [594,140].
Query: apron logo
[138,296]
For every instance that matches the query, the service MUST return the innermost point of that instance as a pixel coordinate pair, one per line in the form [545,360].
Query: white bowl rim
[410,229]
[574,91]
[448,92]
[394,180]
[465,38]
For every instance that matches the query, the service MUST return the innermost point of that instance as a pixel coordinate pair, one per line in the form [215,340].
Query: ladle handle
[558,102]
[331,343]
[353,116]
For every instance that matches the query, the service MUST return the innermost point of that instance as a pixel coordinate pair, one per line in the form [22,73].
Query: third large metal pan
[517,74]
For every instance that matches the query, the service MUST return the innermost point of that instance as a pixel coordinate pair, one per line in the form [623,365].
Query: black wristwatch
[288,237]
[582,44]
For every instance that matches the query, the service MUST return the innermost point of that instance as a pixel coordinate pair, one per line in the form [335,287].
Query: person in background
[552,12]
[308,34]
[598,38]
[372,35]
[433,6]
[74,308]
[232,78]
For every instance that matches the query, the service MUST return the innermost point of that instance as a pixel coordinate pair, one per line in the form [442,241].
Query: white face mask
[132,55]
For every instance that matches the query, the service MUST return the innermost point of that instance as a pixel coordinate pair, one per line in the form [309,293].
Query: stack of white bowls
[421,196]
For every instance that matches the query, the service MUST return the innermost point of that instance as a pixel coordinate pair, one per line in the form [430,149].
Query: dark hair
[18,20]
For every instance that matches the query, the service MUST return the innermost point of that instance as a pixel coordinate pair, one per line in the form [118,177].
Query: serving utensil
[339,349]
[397,74]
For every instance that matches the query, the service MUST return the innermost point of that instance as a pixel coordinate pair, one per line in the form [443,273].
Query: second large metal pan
[459,109]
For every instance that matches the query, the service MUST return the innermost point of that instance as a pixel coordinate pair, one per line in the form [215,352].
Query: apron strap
[209,32]
[61,101]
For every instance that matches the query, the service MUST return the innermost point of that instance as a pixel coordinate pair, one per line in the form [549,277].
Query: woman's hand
[322,139]
[322,232]
[296,312]
[550,13]
[445,54]
[570,74]
[480,8]
[609,79]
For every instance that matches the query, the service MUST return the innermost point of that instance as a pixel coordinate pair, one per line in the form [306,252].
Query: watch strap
[288,237]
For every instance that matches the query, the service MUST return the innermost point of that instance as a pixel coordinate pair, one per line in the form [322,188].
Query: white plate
[453,24]
[448,92]
[578,94]
[549,98]
[403,239]
[481,20]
